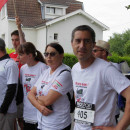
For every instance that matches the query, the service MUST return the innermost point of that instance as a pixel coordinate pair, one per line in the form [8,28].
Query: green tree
[127,48]
[118,41]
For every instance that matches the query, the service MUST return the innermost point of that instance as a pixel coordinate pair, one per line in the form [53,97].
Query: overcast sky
[112,13]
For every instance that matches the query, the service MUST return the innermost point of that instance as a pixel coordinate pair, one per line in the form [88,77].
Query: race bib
[84,113]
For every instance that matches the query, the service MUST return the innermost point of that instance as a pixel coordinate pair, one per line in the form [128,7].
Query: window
[50,10]
[54,10]
[55,36]
[59,11]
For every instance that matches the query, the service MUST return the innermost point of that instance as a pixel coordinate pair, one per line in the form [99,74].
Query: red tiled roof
[29,11]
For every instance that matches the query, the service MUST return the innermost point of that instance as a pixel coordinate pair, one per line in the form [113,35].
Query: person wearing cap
[96,83]
[101,50]
[8,85]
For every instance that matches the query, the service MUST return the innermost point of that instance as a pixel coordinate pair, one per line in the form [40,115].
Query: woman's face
[52,57]
[23,58]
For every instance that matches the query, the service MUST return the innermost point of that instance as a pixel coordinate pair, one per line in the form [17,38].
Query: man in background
[101,50]
[18,38]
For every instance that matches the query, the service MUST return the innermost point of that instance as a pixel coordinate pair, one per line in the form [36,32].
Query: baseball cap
[104,45]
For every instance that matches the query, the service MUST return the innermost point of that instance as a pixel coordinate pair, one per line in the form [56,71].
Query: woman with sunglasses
[34,65]
[49,95]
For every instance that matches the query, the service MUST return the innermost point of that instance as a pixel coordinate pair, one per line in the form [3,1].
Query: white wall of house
[41,39]
[64,28]
[4,30]
[30,34]
[4,24]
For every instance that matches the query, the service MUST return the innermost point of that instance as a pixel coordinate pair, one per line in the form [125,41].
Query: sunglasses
[97,50]
[52,54]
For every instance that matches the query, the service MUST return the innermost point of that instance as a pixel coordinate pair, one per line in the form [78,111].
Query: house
[45,21]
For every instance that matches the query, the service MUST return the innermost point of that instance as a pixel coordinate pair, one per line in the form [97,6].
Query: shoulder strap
[63,71]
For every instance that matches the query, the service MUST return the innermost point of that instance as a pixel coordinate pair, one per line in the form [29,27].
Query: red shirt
[14,56]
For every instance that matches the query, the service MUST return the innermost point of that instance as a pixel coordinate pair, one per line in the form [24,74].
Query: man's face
[15,41]
[98,52]
[82,45]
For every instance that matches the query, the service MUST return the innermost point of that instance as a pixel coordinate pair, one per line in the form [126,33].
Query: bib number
[84,113]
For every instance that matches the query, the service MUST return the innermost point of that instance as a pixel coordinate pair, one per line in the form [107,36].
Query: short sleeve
[115,79]
[12,73]
[63,83]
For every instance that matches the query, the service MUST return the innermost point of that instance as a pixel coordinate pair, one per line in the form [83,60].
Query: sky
[112,13]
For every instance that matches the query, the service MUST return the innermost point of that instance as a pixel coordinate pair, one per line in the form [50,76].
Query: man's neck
[86,63]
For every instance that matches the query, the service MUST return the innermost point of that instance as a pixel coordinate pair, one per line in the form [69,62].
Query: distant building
[45,21]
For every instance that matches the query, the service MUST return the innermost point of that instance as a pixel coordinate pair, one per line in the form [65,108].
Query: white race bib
[84,113]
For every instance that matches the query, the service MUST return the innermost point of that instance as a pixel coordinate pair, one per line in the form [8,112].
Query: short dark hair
[2,45]
[15,32]
[56,46]
[84,28]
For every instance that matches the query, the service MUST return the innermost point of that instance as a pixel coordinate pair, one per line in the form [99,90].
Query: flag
[2,3]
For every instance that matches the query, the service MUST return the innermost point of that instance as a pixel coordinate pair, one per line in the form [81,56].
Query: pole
[15,8]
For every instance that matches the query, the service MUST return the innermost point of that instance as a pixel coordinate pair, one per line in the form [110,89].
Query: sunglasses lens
[46,54]
[51,54]
[94,51]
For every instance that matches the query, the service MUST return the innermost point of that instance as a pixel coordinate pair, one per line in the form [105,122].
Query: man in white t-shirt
[8,86]
[96,83]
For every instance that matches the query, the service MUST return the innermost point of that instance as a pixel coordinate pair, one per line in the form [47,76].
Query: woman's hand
[45,111]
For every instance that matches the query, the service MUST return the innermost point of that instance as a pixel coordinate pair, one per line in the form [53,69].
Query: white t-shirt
[118,66]
[8,75]
[62,83]
[28,77]
[98,84]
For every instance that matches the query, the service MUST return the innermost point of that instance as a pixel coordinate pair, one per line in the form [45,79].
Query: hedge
[70,59]
[117,59]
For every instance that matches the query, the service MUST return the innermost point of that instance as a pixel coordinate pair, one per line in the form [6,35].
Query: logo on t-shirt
[79,94]
[83,85]
[27,84]
[56,84]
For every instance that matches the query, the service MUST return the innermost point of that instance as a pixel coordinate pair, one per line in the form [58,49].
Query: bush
[70,59]
[117,59]
[127,48]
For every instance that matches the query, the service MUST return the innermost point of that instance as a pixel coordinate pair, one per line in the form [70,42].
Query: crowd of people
[34,89]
